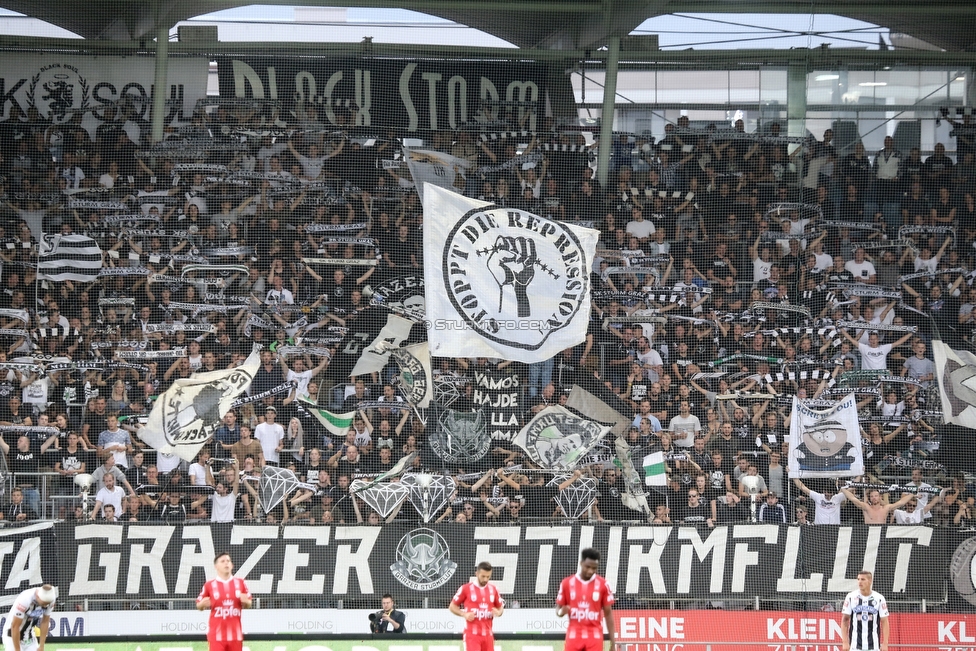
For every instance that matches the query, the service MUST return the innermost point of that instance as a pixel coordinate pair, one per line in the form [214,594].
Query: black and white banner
[376,353]
[412,95]
[69,257]
[559,439]
[416,378]
[61,86]
[499,394]
[28,559]
[151,560]
[503,282]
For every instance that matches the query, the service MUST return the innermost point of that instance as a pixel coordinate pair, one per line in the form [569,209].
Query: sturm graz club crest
[460,437]
[57,90]
[540,272]
[423,560]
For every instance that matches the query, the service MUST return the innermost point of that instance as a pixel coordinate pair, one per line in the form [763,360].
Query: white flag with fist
[502,282]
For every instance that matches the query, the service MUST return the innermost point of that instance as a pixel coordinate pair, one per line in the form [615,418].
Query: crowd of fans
[743,249]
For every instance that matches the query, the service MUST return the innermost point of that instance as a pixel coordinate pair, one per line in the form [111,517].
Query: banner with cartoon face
[559,439]
[502,282]
[825,443]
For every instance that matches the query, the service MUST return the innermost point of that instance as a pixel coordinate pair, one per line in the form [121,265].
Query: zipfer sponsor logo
[226,611]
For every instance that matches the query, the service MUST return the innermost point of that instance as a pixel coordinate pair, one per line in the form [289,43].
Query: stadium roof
[537,24]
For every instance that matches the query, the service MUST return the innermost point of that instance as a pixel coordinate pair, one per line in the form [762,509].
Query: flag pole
[37,276]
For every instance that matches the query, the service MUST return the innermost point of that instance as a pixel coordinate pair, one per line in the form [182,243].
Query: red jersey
[225,608]
[472,597]
[586,600]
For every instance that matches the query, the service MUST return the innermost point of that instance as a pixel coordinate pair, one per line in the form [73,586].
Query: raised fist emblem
[512,262]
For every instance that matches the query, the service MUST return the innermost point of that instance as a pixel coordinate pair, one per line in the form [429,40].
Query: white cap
[47,594]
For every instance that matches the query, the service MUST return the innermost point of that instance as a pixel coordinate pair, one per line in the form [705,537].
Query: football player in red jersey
[482,603]
[225,597]
[588,600]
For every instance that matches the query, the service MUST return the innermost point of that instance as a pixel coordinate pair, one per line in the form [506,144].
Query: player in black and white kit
[864,624]
[32,608]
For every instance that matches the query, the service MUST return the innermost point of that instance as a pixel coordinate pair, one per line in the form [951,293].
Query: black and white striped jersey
[866,613]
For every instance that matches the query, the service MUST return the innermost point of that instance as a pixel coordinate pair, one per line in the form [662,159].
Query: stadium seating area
[765,270]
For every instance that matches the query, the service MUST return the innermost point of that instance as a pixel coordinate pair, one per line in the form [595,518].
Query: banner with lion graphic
[102,90]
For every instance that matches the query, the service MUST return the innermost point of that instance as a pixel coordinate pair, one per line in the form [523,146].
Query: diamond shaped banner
[276,484]
[428,493]
[576,498]
[446,391]
[382,498]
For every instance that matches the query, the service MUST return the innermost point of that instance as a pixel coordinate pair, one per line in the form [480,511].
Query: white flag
[502,282]
[436,168]
[187,414]
[825,443]
[377,353]
[956,372]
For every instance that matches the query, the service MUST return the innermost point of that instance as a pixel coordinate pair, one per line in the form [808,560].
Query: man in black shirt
[71,463]
[731,510]
[14,414]
[837,273]
[343,508]
[384,460]
[720,266]
[338,291]
[639,389]
[699,455]
[620,355]
[25,464]
[351,464]
[610,503]
[696,511]
[358,395]
[137,473]
[268,376]
[96,421]
[772,510]
[742,426]
[17,510]
[734,299]
[539,497]
[512,512]
[681,361]
[402,254]
[937,170]
[658,404]
[726,444]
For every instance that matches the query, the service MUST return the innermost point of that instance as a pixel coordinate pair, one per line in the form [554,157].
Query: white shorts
[29,645]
